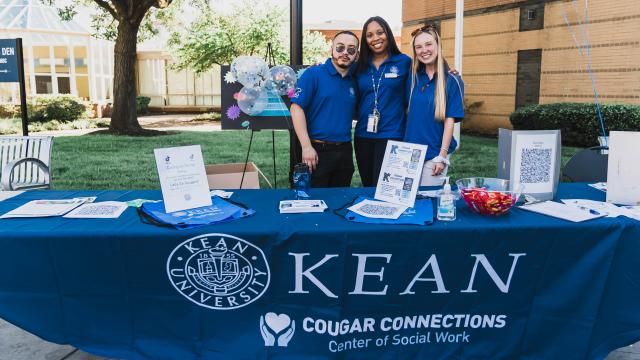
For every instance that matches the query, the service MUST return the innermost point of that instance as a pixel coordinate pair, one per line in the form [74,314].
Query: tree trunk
[124,119]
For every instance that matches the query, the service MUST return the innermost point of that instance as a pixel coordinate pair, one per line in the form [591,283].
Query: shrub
[578,122]
[142,104]
[210,116]
[62,108]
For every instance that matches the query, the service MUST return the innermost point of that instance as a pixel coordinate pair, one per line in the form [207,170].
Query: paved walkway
[16,344]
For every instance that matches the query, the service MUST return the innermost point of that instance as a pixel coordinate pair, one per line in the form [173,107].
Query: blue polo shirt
[422,127]
[393,74]
[328,101]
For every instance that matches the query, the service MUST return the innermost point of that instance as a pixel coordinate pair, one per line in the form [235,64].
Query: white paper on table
[602,186]
[430,193]
[44,208]
[400,173]
[221,193]
[302,206]
[534,166]
[99,210]
[632,212]
[605,208]
[561,211]
[183,178]
[378,209]
[5,195]
[623,172]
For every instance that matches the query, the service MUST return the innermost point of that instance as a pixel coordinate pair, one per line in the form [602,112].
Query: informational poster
[623,173]
[400,174]
[9,61]
[182,178]
[275,113]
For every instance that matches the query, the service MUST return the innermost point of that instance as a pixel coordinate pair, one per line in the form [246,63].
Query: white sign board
[623,173]
[182,178]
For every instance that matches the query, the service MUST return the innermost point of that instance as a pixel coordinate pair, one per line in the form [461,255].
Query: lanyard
[376,89]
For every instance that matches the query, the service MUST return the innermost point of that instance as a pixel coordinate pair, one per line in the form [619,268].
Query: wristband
[440,159]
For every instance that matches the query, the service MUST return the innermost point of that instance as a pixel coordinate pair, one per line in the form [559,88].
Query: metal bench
[24,162]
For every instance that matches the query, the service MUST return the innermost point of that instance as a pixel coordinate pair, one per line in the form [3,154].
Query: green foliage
[63,108]
[13,126]
[215,38]
[579,122]
[212,116]
[142,104]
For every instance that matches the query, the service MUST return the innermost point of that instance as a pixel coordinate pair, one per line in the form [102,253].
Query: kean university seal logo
[219,271]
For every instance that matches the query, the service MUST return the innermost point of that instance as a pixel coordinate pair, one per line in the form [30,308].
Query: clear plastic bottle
[301,181]
[446,203]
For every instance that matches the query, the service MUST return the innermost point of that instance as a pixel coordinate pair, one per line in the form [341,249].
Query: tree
[126,22]
[217,39]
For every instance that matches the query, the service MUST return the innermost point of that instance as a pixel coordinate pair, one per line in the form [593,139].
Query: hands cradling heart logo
[274,326]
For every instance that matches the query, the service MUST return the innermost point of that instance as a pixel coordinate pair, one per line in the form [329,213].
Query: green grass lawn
[121,162]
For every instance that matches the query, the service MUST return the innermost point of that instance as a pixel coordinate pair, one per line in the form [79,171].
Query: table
[285,286]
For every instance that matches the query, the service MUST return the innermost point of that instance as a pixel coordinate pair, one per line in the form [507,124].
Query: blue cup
[301,181]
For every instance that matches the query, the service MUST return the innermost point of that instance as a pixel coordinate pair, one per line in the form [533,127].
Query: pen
[591,211]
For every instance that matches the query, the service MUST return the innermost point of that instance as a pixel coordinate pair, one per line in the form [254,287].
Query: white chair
[24,162]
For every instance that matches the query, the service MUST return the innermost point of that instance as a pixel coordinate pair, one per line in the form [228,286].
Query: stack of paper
[378,209]
[44,208]
[562,211]
[100,210]
[5,195]
[302,206]
[602,186]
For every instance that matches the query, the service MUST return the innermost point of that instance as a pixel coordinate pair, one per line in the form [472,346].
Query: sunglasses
[341,48]
[425,28]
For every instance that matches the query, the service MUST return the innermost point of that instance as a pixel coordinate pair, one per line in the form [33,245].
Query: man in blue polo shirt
[322,109]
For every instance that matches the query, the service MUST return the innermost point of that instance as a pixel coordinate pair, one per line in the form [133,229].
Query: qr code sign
[378,210]
[535,166]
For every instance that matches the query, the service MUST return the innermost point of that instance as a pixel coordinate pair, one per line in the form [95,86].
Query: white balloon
[283,79]
[250,71]
[252,101]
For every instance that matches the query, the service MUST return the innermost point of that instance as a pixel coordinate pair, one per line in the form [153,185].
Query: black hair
[345,32]
[392,47]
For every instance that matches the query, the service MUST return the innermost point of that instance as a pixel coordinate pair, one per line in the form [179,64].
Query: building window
[44,85]
[532,17]
[64,86]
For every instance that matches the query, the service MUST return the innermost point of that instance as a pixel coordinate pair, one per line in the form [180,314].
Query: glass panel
[42,60]
[109,84]
[82,84]
[61,58]
[10,15]
[37,19]
[64,87]
[80,55]
[44,84]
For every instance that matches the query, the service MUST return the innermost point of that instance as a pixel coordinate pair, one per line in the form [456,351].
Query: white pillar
[458,51]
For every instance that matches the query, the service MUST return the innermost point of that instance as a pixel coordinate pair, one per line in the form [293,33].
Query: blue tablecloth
[285,286]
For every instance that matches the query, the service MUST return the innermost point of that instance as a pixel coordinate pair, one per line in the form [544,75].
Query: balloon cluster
[254,74]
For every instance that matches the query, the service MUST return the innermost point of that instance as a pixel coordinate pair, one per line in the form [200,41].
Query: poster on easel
[400,173]
[259,108]
[530,160]
[623,172]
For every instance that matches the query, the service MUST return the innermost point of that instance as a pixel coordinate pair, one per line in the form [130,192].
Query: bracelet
[445,150]
[440,159]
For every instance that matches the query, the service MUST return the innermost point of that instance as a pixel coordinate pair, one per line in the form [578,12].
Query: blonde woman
[435,104]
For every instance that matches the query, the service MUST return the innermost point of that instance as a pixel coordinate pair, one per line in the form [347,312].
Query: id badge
[372,123]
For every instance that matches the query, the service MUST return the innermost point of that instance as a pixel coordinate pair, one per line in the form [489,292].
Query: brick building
[521,52]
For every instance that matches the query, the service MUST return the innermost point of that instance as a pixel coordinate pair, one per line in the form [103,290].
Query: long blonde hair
[441,68]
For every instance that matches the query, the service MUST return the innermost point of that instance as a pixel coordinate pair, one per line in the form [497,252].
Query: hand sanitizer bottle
[447,203]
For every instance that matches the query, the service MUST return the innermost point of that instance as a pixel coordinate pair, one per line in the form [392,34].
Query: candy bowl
[487,196]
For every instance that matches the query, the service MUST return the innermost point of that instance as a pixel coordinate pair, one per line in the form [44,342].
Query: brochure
[378,209]
[302,206]
[99,210]
[400,173]
[44,208]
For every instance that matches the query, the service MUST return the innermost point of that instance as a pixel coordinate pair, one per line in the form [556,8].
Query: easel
[271,61]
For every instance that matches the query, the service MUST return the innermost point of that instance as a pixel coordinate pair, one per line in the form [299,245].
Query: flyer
[182,178]
[400,173]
